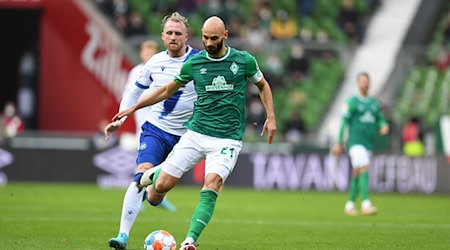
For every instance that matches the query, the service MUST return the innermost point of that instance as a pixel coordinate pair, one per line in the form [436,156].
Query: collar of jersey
[221,58]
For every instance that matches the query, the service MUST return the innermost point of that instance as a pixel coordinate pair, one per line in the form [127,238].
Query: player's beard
[214,50]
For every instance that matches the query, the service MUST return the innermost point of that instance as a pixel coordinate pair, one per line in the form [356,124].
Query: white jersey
[170,114]
[139,115]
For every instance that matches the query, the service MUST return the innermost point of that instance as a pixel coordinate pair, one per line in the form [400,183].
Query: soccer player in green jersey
[364,119]
[216,127]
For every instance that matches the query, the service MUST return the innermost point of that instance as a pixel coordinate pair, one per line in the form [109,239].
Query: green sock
[202,213]
[353,189]
[155,176]
[364,185]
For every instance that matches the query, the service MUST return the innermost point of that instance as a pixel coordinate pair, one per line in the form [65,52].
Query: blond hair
[175,17]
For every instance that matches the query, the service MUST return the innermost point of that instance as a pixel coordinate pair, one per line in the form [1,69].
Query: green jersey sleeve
[185,74]
[254,75]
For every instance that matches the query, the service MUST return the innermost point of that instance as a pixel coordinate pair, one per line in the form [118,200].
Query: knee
[164,183]
[213,182]
[141,168]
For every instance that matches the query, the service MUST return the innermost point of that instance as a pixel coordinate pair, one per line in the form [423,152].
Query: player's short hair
[149,44]
[175,17]
[363,74]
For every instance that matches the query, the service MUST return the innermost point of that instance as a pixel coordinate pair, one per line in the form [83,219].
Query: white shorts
[360,156]
[220,154]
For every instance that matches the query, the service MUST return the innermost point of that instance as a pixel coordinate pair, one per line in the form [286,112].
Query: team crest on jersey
[234,68]
[163,68]
[219,84]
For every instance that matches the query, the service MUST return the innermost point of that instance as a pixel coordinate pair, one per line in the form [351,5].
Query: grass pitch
[82,216]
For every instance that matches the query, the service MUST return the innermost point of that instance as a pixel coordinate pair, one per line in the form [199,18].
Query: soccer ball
[160,240]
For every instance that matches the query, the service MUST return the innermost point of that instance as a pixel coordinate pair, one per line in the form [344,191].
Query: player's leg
[360,161]
[350,207]
[130,209]
[221,158]
[366,205]
[155,144]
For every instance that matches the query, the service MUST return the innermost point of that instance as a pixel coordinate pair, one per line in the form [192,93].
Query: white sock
[366,204]
[130,208]
[349,205]
[187,241]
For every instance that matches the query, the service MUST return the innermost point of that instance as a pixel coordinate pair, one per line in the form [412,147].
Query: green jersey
[221,86]
[364,118]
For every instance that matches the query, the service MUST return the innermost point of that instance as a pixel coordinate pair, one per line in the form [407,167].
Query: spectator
[412,138]
[282,27]
[349,21]
[256,35]
[447,31]
[305,7]
[135,25]
[11,123]
[298,63]
[443,57]
[295,128]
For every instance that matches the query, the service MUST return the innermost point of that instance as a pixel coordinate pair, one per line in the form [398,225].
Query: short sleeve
[185,74]
[254,74]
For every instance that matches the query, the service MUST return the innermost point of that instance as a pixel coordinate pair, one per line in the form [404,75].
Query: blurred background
[64,64]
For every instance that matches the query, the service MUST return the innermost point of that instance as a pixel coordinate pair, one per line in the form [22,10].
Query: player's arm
[382,123]
[255,76]
[339,146]
[156,96]
[131,93]
[265,93]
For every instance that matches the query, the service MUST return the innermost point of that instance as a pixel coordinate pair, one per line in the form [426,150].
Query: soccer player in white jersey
[215,130]
[164,124]
[146,50]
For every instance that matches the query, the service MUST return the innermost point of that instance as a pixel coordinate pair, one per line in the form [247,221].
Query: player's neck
[178,53]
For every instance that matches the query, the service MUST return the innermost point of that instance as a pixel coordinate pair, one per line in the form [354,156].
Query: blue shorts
[154,144]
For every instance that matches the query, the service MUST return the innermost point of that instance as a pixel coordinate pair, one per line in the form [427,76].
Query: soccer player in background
[363,117]
[164,122]
[215,130]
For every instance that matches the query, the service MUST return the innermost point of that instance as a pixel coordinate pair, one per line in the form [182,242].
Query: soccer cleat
[369,211]
[147,177]
[165,203]
[188,247]
[351,212]
[119,243]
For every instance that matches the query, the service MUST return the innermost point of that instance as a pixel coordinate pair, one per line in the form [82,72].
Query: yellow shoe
[369,211]
[351,212]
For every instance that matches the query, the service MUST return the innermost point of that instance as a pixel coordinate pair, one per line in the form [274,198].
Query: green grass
[82,216]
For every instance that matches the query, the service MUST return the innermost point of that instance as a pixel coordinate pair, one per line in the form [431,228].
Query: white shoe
[351,212]
[147,177]
[369,211]
[188,247]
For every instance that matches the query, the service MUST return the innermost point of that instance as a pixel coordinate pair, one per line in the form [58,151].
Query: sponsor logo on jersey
[367,118]
[219,84]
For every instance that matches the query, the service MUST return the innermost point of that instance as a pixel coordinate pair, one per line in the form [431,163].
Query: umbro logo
[203,71]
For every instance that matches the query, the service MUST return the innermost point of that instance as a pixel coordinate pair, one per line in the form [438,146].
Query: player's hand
[112,127]
[127,112]
[384,130]
[337,150]
[270,127]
